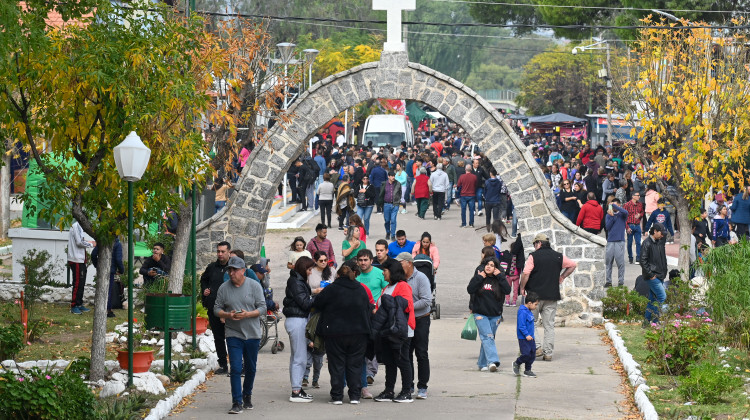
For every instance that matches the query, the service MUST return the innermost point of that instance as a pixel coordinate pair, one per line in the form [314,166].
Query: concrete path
[577,384]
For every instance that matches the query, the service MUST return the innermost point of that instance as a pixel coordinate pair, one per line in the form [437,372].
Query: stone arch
[243,221]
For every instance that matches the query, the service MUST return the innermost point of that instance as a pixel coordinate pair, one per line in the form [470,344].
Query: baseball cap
[404,256]
[549,163]
[719,197]
[236,262]
[540,237]
[259,268]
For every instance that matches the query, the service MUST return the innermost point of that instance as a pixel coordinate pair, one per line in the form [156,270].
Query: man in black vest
[543,273]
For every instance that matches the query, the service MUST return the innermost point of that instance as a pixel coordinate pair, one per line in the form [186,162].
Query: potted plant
[201,320]
[143,354]
[158,300]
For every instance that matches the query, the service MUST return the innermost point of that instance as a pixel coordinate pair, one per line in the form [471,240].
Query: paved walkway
[577,384]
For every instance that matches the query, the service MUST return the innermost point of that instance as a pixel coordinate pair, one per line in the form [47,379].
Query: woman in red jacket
[591,215]
[422,189]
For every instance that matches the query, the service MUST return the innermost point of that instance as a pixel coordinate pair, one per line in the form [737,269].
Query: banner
[398,105]
[573,132]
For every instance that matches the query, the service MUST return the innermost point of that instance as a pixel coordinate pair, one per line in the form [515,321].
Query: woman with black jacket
[345,324]
[297,303]
[366,201]
[488,288]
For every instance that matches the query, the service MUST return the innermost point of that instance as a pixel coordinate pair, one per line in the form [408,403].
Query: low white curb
[633,370]
[165,406]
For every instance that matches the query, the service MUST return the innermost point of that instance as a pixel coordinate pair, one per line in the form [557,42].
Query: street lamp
[131,158]
[286,51]
[310,55]
[604,74]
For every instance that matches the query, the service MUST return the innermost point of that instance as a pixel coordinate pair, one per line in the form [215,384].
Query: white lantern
[310,55]
[131,157]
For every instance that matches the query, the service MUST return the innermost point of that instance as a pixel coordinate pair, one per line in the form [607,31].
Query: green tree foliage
[558,81]
[494,76]
[77,90]
[608,14]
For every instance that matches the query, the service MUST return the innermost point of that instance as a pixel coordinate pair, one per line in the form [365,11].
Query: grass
[68,336]
[664,396]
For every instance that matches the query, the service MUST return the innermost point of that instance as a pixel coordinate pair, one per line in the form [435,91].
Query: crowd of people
[442,169]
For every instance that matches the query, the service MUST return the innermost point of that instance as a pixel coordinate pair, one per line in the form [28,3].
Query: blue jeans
[486,327]
[409,182]
[656,293]
[480,202]
[364,213]
[219,205]
[390,213]
[464,202]
[449,196]
[635,233]
[238,350]
[515,223]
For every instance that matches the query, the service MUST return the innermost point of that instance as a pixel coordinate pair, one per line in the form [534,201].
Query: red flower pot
[201,325]
[141,360]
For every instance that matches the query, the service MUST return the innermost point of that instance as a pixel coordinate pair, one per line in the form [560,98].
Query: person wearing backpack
[305,184]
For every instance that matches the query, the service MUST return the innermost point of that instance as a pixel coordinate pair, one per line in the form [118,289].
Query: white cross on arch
[393,18]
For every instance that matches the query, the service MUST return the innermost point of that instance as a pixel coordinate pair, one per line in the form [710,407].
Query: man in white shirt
[77,263]
[340,140]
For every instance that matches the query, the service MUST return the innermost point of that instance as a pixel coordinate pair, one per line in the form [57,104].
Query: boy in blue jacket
[525,334]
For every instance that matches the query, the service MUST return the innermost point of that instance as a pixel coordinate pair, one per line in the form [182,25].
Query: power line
[472,24]
[561,6]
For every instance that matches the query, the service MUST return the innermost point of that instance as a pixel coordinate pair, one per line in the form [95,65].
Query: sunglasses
[322,261]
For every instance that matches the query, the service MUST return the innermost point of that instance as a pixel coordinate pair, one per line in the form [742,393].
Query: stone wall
[243,221]
[10,291]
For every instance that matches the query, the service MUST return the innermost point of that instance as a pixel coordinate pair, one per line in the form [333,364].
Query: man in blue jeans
[390,199]
[654,269]
[467,184]
[240,302]
[635,211]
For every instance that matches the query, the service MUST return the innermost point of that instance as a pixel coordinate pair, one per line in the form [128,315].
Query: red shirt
[632,209]
[468,184]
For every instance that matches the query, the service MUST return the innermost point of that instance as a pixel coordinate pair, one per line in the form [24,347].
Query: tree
[494,76]
[600,12]
[79,89]
[342,51]
[558,81]
[689,91]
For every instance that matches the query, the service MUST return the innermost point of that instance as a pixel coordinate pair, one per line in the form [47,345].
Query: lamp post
[286,50]
[131,158]
[604,74]
[310,55]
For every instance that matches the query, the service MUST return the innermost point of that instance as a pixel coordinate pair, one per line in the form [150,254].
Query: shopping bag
[470,329]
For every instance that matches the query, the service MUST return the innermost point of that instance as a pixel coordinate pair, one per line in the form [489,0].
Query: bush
[624,304]
[126,408]
[40,395]
[708,383]
[726,275]
[678,343]
[11,340]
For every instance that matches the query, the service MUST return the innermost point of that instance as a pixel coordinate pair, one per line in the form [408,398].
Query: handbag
[470,329]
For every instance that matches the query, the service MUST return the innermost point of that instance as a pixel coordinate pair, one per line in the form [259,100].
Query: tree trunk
[180,247]
[5,196]
[99,332]
[683,216]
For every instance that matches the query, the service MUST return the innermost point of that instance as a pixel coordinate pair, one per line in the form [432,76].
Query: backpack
[311,174]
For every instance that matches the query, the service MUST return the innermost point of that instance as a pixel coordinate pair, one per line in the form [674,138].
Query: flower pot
[141,360]
[201,325]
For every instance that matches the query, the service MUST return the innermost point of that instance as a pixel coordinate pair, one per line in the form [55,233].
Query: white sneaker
[484,369]
[493,367]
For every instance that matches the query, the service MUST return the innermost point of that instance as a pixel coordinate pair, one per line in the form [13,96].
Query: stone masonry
[243,221]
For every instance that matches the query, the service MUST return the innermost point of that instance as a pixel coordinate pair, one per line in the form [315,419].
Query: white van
[384,130]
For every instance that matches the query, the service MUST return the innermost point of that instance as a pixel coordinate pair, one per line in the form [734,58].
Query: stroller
[423,263]
[270,320]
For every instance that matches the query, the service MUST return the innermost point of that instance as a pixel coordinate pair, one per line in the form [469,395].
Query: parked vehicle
[387,130]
